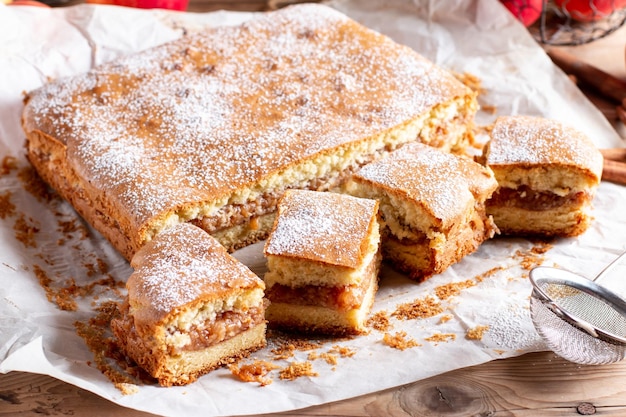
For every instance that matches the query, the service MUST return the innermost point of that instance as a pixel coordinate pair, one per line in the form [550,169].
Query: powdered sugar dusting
[537,141]
[183,264]
[324,227]
[199,118]
[445,185]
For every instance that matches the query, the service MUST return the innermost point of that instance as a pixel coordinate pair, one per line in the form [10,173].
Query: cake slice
[323,259]
[432,206]
[547,173]
[191,307]
[214,127]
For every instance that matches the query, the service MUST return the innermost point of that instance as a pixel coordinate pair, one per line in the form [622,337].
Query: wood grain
[535,384]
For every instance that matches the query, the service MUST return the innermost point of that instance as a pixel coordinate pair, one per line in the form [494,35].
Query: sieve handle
[608,268]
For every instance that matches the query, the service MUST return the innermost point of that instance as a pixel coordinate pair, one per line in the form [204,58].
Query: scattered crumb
[25,231]
[286,347]
[9,163]
[454,288]
[127,388]
[471,81]
[296,370]
[32,182]
[109,359]
[61,297]
[343,351]
[489,108]
[441,337]
[65,294]
[489,273]
[541,247]
[533,257]
[399,341]
[326,356]
[68,227]
[256,371]
[7,208]
[379,321]
[418,309]
[476,333]
[445,318]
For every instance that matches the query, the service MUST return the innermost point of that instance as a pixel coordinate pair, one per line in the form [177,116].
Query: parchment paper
[473,36]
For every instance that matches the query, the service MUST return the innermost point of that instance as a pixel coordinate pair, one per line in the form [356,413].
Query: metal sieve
[578,319]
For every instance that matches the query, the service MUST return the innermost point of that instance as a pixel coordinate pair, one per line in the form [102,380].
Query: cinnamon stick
[608,85]
[620,111]
[614,171]
[615,154]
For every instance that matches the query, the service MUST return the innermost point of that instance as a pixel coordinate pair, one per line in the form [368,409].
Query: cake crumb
[34,184]
[476,333]
[491,109]
[445,318]
[62,297]
[7,208]
[286,347]
[126,388]
[256,371]
[491,272]
[343,351]
[471,81]
[418,309]
[9,163]
[441,337]
[379,321]
[296,370]
[25,231]
[326,356]
[399,341]
[534,256]
[453,289]
[109,359]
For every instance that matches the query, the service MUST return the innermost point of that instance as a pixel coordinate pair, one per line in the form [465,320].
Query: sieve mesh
[587,307]
[569,341]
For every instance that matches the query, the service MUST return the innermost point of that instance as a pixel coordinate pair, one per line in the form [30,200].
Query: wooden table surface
[536,384]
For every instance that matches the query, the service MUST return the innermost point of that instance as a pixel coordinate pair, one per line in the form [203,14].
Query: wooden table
[536,384]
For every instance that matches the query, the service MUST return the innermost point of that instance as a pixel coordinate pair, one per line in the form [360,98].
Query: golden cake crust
[183,268]
[529,143]
[443,186]
[190,308]
[327,228]
[323,259]
[547,173]
[216,119]
[432,206]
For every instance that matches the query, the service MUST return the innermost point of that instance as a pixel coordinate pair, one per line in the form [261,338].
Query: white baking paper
[474,36]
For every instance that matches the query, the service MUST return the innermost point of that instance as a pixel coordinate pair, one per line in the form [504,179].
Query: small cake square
[191,307]
[547,173]
[432,206]
[323,259]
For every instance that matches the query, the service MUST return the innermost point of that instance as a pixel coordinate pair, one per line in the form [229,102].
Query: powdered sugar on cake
[442,184]
[181,266]
[198,119]
[536,141]
[324,227]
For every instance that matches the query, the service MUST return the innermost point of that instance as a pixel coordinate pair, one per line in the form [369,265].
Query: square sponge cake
[212,128]
[432,206]
[323,259]
[191,307]
[547,173]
